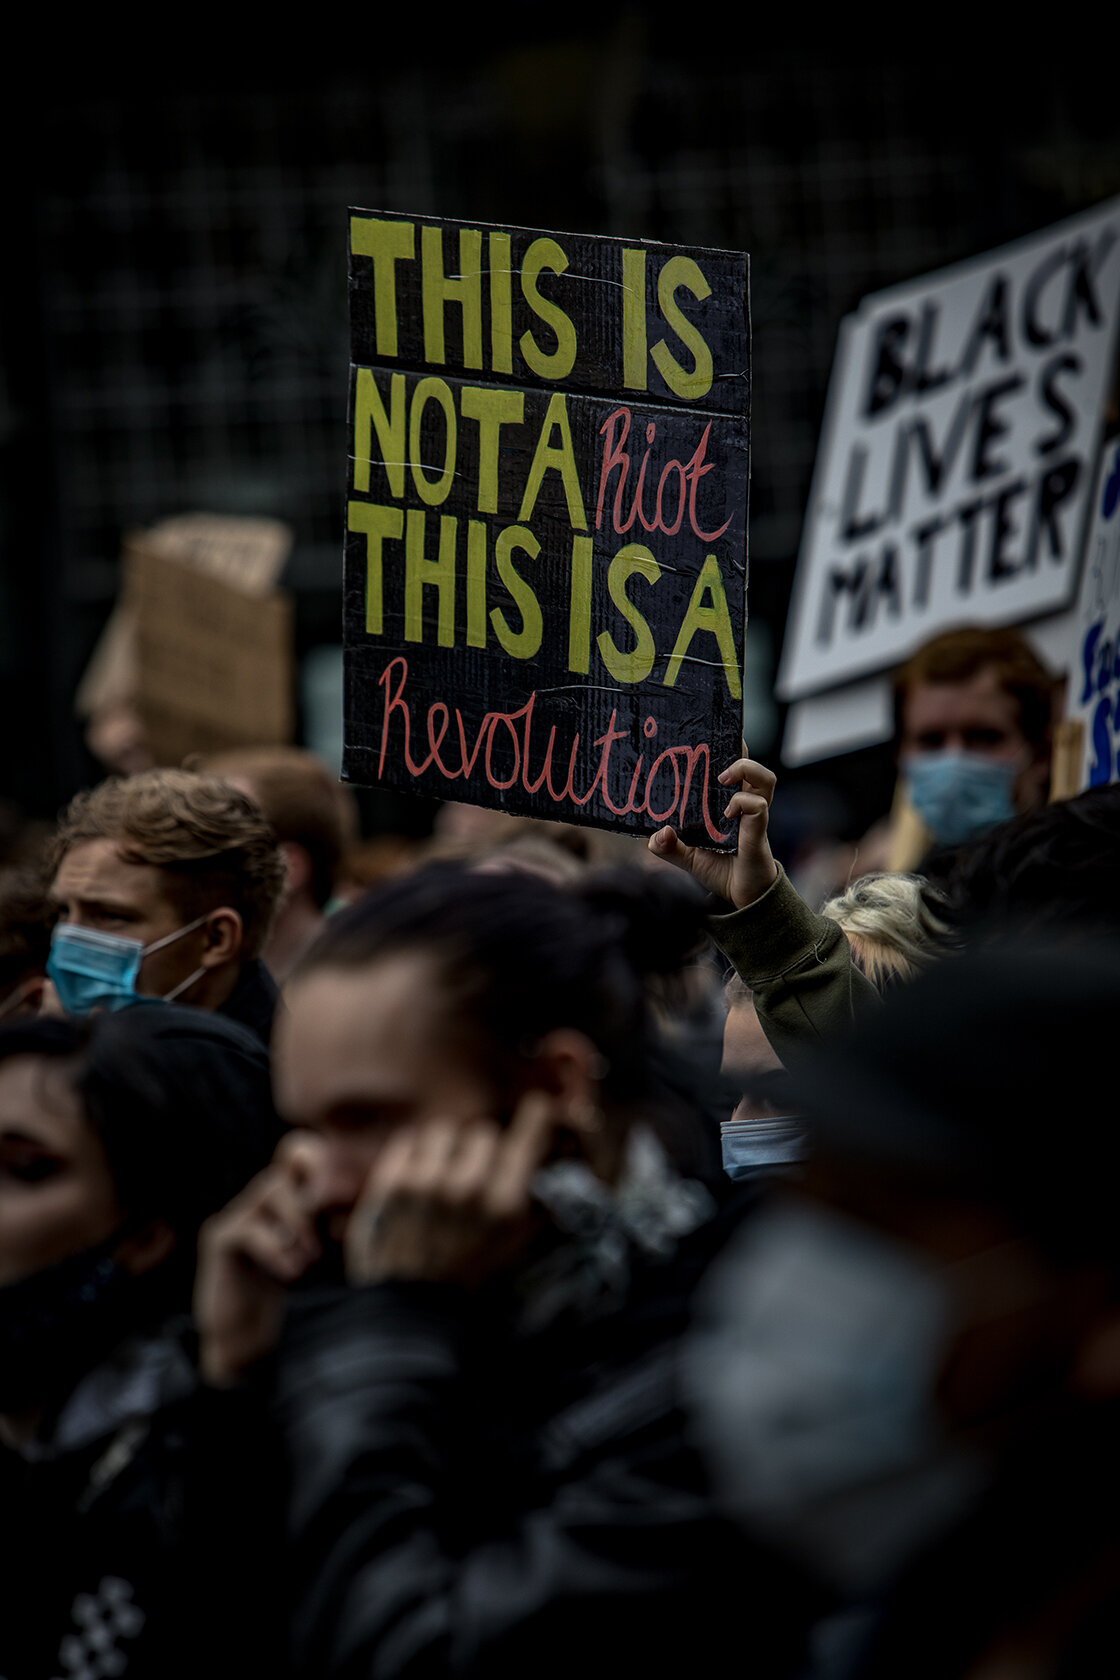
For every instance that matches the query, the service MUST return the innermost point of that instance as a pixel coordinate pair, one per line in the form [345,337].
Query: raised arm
[797,964]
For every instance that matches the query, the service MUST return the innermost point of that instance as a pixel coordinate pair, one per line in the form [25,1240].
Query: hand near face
[249,1254]
[451,1201]
[745,874]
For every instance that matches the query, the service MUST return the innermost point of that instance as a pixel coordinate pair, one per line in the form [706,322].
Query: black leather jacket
[142,1540]
[469,1500]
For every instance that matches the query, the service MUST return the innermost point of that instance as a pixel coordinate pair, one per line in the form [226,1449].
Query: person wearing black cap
[909,1373]
[119,1135]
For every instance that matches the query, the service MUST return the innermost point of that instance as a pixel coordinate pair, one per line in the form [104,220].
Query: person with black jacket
[123,1550]
[488,1460]
[907,1370]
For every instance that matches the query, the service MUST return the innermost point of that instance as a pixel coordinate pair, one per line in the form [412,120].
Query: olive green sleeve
[798,966]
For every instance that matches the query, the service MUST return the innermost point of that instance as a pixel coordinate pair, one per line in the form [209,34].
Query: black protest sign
[545,590]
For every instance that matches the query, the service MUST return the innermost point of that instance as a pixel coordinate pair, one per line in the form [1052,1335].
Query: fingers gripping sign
[745,874]
[451,1201]
[249,1255]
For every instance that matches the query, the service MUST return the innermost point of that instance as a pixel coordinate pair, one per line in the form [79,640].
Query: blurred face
[978,717]
[360,1052]
[1014,1323]
[56,1193]
[746,1052]
[871,1356]
[96,887]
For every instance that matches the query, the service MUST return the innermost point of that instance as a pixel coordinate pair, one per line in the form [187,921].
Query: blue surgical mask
[93,970]
[812,1374]
[960,796]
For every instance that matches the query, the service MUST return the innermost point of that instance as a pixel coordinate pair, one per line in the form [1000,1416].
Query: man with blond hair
[165,885]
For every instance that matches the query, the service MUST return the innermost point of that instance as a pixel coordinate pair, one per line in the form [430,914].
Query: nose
[345,1162]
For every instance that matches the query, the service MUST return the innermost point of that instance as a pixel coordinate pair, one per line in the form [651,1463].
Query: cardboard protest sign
[1094,686]
[213,662]
[110,678]
[545,593]
[955,470]
[248,554]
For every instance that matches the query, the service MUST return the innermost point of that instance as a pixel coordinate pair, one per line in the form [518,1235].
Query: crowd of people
[526,1266]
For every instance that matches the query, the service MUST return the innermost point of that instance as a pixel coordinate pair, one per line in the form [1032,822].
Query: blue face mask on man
[93,970]
[960,796]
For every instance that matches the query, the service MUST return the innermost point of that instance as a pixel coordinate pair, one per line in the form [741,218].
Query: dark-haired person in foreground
[909,1372]
[135,1535]
[489,1469]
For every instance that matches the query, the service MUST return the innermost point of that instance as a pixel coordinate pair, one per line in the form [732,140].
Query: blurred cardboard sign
[1093,696]
[248,554]
[955,471]
[110,677]
[545,597]
[212,657]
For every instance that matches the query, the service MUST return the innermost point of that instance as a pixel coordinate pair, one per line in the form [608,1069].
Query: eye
[363,1117]
[32,1169]
[985,737]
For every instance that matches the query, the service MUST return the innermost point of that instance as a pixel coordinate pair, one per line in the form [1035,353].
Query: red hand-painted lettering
[503,752]
[679,479]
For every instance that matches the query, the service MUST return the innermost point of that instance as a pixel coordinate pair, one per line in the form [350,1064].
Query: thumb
[666,845]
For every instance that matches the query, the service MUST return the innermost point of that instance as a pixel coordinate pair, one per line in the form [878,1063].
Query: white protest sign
[1094,686]
[956,461]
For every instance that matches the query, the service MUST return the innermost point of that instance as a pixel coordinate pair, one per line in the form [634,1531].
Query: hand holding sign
[745,874]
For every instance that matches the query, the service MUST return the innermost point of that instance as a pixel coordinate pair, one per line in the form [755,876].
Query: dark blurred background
[174,329]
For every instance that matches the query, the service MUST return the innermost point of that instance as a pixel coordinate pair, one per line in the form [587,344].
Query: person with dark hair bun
[488,1461]
[119,1135]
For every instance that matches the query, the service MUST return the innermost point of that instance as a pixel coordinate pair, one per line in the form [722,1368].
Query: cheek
[1030,785]
[162,970]
[41,1224]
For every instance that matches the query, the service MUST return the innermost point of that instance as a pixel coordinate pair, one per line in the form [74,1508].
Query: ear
[224,938]
[148,1247]
[26,999]
[568,1066]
